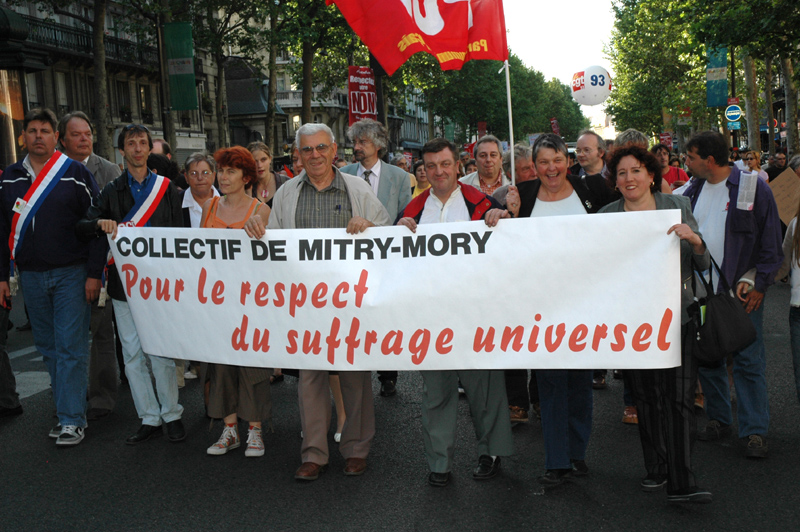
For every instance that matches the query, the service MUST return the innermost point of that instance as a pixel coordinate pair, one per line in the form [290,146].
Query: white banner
[599,291]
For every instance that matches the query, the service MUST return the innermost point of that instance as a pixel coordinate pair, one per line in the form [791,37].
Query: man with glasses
[389,183]
[42,197]
[322,196]
[591,152]
[128,200]
[76,135]
[774,170]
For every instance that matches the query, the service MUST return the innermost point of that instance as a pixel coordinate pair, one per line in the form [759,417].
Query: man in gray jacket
[75,135]
[390,183]
[322,196]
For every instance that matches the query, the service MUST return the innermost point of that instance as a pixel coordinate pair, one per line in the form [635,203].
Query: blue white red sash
[146,204]
[25,208]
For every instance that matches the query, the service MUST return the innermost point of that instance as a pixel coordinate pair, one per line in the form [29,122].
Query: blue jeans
[59,316]
[565,397]
[144,397]
[749,377]
[794,332]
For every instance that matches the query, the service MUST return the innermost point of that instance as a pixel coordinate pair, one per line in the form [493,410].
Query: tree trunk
[272,90]
[431,124]
[770,112]
[222,119]
[787,71]
[167,120]
[308,81]
[101,118]
[751,103]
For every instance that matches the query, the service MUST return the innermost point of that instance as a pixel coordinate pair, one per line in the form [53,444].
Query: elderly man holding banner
[320,197]
[447,200]
[139,198]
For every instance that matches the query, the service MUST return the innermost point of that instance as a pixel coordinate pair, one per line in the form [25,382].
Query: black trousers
[520,391]
[664,400]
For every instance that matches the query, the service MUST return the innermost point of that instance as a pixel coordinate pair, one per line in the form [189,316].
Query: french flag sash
[25,208]
[146,205]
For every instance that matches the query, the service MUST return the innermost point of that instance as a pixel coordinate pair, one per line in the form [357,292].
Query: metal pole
[510,124]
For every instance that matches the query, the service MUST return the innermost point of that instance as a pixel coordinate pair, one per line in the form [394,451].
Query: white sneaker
[70,435]
[188,375]
[255,443]
[229,440]
[55,432]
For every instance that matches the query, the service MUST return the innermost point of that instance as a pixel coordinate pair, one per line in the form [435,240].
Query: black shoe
[554,477]
[388,389]
[8,412]
[143,434]
[579,468]
[693,495]
[25,327]
[175,431]
[93,414]
[653,482]
[599,382]
[487,468]
[714,431]
[438,480]
[617,374]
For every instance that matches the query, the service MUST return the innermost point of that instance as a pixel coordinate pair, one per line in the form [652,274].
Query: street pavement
[105,485]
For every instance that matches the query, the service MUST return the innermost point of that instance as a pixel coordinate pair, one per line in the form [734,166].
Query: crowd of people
[58,204]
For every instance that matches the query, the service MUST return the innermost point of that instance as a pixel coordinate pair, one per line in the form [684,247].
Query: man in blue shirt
[123,201]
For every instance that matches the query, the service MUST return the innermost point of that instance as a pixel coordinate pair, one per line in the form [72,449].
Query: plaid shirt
[328,208]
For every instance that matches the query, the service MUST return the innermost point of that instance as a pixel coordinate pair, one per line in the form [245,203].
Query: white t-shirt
[569,205]
[453,210]
[195,209]
[711,211]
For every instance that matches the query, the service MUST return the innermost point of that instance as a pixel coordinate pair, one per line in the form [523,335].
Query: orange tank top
[213,221]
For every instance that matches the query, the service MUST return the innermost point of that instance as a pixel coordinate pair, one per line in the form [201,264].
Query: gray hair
[372,130]
[521,151]
[551,141]
[312,129]
[601,144]
[484,139]
[794,163]
[632,136]
[62,124]
[200,157]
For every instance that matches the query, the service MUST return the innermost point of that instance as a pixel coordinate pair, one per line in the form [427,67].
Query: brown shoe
[630,416]
[518,414]
[309,471]
[355,466]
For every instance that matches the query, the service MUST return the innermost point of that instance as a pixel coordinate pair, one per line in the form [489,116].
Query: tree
[97,22]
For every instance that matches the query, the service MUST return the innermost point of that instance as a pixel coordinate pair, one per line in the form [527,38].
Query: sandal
[630,416]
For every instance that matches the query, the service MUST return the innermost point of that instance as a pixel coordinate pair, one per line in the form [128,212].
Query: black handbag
[719,324]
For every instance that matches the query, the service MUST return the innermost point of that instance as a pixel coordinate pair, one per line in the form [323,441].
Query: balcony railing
[69,39]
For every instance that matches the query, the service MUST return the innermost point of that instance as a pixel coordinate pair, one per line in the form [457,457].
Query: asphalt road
[105,485]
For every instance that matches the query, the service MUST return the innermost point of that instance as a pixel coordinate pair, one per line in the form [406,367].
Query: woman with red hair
[237,391]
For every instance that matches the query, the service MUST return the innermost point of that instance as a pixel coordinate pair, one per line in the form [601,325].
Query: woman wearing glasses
[753,161]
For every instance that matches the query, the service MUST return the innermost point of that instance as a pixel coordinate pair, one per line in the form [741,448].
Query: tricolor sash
[25,208]
[145,205]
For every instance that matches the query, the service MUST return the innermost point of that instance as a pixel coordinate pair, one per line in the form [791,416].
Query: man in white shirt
[447,200]
[738,218]
[490,176]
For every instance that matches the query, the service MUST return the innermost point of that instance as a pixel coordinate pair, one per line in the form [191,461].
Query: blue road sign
[733,113]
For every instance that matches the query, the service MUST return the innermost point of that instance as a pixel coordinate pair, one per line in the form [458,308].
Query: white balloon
[591,86]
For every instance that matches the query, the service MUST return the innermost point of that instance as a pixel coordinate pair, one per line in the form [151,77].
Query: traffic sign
[733,113]
[733,101]
[734,125]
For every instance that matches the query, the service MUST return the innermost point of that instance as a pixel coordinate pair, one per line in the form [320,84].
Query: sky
[559,38]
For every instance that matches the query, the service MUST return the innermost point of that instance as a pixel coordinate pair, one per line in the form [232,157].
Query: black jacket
[114,203]
[592,190]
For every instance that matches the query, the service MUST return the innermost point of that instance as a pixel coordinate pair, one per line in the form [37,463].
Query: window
[124,100]
[62,97]
[281,84]
[32,86]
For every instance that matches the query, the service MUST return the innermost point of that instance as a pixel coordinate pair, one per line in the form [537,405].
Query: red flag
[453,31]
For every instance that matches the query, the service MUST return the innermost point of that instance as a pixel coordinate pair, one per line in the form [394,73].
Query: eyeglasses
[204,173]
[322,149]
